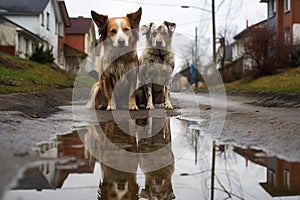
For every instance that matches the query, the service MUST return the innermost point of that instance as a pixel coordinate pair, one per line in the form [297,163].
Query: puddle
[152,158]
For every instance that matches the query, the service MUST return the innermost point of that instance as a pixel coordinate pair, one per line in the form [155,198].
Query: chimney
[247,24]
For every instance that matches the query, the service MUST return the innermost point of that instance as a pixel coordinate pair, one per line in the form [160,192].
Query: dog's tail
[94,91]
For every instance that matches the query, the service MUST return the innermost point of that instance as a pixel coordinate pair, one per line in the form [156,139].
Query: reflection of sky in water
[234,173]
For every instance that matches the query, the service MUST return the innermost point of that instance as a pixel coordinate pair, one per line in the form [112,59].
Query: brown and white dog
[157,63]
[118,60]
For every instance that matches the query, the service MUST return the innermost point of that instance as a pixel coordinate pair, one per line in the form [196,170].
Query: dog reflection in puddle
[118,169]
[122,147]
[156,159]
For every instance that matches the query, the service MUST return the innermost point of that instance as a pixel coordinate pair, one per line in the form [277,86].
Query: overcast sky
[231,15]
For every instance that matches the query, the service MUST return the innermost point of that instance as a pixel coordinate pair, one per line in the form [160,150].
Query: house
[27,24]
[80,43]
[61,58]
[284,17]
[51,173]
[16,40]
[283,178]
[238,50]
[224,54]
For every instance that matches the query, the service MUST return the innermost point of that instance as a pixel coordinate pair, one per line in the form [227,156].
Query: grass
[287,81]
[19,75]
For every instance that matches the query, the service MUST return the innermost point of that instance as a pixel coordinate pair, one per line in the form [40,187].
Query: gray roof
[23,6]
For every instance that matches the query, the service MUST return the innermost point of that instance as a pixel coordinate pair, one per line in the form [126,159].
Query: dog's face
[120,30]
[119,190]
[159,36]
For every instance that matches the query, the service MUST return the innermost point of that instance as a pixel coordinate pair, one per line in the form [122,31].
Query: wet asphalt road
[272,129]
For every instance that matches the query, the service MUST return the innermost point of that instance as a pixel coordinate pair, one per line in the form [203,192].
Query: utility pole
[214,30]
[213,170]
[196,57]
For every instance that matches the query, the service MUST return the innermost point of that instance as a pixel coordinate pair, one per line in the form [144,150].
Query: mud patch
[267,99]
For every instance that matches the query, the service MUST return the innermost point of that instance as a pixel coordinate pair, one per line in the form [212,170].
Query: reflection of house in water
[283,178]
[63,156]
[252,155]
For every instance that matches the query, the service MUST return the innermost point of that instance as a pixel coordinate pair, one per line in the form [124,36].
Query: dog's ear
[100,21]
[171,26]
[135,18]
[146,28]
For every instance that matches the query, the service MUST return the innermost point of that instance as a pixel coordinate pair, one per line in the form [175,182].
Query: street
[271,132]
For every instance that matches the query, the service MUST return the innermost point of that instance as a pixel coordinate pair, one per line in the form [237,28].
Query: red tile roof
[79,25]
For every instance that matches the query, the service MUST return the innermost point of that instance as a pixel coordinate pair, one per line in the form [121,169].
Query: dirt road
[27,119]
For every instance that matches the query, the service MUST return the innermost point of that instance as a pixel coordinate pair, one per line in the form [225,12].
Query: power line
[159,4]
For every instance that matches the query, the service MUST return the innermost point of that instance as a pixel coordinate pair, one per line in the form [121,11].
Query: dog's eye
[126,29]
[113,31]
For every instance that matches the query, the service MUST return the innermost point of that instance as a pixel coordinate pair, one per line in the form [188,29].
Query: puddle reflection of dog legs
[156,159]
[118,164]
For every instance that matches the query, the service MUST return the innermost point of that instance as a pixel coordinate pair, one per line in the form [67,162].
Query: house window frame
[287,5]
[272,8]
[48,21]
[56,27]
[43,19]
[20,43]
[26,42]
[271,177]
[287,179]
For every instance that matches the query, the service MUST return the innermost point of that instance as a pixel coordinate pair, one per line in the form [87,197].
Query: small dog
[157,63]
[118,60]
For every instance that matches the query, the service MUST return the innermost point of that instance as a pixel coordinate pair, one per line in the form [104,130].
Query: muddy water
[152,158]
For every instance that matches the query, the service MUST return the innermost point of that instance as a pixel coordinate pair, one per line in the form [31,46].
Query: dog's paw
[109,108]
[150,107]
[133,107]
[102,107]
[168,106]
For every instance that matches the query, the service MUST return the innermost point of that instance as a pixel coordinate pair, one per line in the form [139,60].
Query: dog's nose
[159,42]
[121,186]
[121,42]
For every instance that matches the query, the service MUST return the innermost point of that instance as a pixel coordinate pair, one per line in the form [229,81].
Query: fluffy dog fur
[157,63]
[118,39]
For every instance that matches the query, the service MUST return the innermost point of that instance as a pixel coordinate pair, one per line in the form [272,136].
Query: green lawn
[20,75]
[287,81]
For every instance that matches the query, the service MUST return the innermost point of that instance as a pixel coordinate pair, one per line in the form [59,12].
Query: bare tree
[259,46]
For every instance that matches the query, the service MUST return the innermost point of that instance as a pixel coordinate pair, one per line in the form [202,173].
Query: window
[48,21]
[287,5]
[56,26]
[271,178]
[19,43]
[287,36]
[272,8]
[43,19]
[286,179]
[26,47]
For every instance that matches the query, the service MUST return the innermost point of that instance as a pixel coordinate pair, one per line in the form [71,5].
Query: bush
[295,57]
[42,56]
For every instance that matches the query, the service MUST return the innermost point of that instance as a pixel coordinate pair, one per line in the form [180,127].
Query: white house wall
[49,34]
[30,23]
